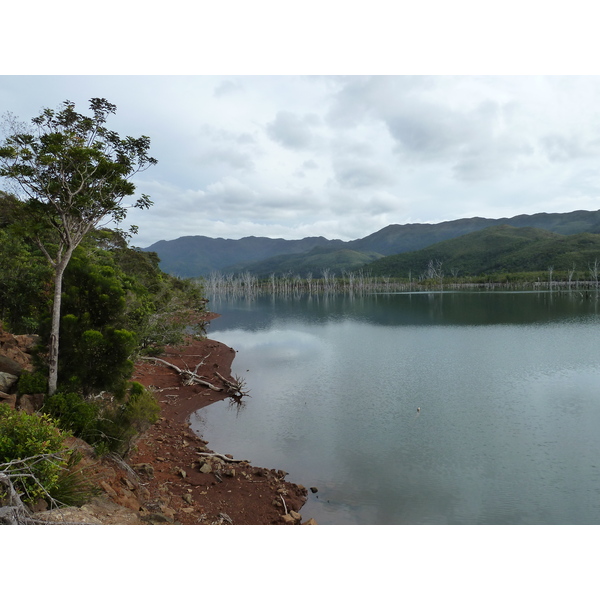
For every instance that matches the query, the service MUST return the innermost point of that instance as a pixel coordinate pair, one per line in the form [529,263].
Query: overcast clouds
[342,157]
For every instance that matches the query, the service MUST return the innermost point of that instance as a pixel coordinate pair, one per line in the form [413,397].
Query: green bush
[24,438]
[32,383]
[73,413]
[119,424]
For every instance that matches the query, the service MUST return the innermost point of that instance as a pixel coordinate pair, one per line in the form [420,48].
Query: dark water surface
[508,386]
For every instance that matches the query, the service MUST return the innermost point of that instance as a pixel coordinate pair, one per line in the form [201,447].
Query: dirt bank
[193,488]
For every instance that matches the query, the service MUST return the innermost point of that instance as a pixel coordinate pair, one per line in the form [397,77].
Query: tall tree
[72,173]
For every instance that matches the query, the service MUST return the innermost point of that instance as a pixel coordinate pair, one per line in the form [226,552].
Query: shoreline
[191,488]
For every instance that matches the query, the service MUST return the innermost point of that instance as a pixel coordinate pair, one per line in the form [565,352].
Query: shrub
[73,413]
[119,423]
[32,383]
[26,438]
[73,487]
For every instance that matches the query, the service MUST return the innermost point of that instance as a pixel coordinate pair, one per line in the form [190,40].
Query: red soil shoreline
[237,493]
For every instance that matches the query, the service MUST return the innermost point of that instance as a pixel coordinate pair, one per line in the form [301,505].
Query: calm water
[507,383]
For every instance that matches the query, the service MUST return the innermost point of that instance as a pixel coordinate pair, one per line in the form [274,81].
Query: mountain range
[385,251]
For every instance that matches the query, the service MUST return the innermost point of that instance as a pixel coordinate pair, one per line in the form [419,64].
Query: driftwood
[189,377]
[222,457]
[234,387]
[13,511]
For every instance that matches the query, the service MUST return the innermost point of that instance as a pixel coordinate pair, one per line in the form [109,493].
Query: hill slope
[313,262]
[194,256]
[497,249]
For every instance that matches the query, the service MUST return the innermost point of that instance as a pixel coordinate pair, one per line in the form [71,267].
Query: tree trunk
[59,271]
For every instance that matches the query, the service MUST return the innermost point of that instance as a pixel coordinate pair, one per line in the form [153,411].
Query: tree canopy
[72,174]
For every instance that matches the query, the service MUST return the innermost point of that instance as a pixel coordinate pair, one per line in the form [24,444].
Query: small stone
[296,516]
[311,521]
[128,483]
[156,518]
[40,506]
[144,468]
[314,490]
[205,468]
[108,489]
[288,519]
[188,498]
[181,473]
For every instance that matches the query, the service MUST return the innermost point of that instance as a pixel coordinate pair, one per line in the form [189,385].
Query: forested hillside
[500,249]
[196,256]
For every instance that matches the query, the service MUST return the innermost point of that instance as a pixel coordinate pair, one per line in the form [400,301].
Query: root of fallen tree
[233,387]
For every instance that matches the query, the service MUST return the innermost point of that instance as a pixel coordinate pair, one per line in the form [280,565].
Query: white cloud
[343,156]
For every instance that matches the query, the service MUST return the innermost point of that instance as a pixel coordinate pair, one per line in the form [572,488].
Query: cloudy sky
[342,156]
[320,150]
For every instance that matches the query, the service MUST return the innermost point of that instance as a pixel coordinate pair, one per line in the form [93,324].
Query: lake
[507,385]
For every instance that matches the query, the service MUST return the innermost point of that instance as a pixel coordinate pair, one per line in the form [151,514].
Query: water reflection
[417,308]
[507,385]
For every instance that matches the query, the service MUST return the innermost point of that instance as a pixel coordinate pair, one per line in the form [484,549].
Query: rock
[169,512]
[74,443]
[128,483]
[288,519]
[143,493]
[100,511]
[130,502]
[7,380]
[27,342]
[156,518]
[10,399]
[145,469]
[311,521]
[296,516]
[108,489]
[181,473]
[314,490]
[188,498]
[205,468]
[10,351]
[40,506]
[7,365]
[30,403]
[68,515]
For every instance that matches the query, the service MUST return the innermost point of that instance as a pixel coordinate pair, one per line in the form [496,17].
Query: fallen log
[222,457]
[187,377]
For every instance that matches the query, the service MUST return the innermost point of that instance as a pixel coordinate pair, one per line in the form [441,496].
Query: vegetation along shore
[95,390]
